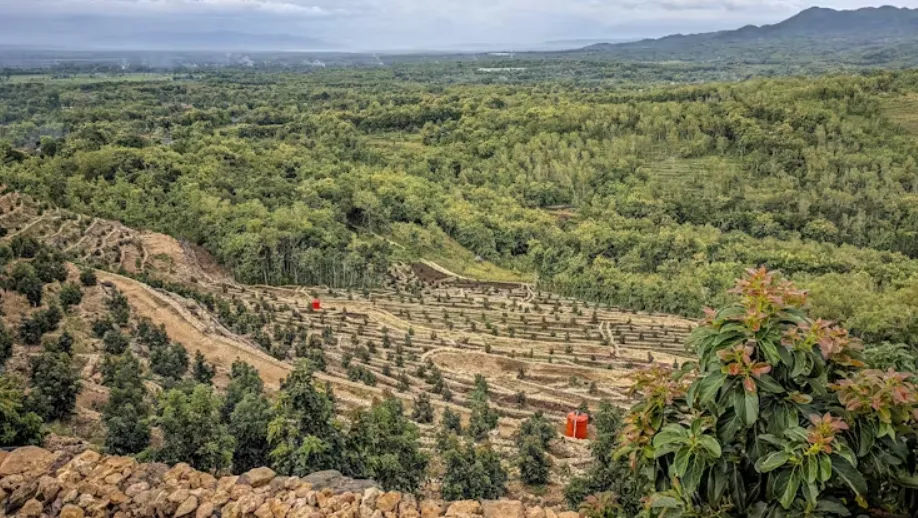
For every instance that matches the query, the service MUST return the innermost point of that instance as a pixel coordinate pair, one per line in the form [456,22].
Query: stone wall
[35,483]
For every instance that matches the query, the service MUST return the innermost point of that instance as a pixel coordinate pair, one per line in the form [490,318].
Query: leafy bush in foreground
[778,418]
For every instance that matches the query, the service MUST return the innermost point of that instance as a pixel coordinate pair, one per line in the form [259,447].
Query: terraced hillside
[427,332]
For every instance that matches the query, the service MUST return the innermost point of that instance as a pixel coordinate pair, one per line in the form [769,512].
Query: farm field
[425,332]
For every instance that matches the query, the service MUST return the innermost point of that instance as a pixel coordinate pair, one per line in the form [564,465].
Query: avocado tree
[779,417]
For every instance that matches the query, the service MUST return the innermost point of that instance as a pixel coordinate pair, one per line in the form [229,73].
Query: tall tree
[193,431]
[127,411]
[55,385]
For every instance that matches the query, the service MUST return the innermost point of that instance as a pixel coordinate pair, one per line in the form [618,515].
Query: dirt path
[29,226]
[444,271]
[185,328]
[86,234]
[64,224]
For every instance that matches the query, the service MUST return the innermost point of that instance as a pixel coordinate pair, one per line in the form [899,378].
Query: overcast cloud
[392,24]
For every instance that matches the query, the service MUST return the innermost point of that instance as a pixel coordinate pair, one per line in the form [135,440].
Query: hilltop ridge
[815,31]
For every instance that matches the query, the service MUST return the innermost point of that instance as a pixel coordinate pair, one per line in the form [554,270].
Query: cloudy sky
[389,24]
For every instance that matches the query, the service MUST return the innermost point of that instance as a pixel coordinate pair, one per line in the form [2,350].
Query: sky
[387,24]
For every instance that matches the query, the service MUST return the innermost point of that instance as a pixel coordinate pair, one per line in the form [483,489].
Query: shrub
[43,321]
[114,342]
[533,461]
[125,415]
[203,372]
[192,430]
[71,295]
[19,425]
[779,417]
[423,411]
[472,472]
[88,277]
[119,308]
[55,385]
[25,281]
[170,361]
[6,345]
[385,446]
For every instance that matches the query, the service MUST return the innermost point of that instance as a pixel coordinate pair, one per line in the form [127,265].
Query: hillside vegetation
[668,194]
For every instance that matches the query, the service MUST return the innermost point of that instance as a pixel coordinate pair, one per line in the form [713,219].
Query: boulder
[536,512]
[337,482]
[21,495]
[431,509]
[48,488]
[258,477]
[264,511]
[187,507]
[31,509]
[206,510]
[502,509]
[30,459]
[388,502]
[369,497]
[464,507]
[71,511]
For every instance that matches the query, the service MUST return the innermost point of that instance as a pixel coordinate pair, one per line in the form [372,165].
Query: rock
[464,507]
[208,481]
[249,503]
[370,496]
[502,509]
[114,479]
[569,514]
[177,473]
[257,477]
[71,511]
[21,495]
[264,511]
[30,459]
[536,512]
[117,497]
[387,502]
[48,488]
[206,510]
[431,509]
[337,482]
[550,514]
[85,462]
[31,509]
[11,482]
[135,489]
[226,483]
[187,507]
[279,509]
[408,507]
[179,496]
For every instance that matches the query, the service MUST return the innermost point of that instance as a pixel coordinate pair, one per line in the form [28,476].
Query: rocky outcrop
[37,483]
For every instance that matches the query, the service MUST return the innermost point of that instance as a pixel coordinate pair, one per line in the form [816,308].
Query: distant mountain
[211,41]
[854,35]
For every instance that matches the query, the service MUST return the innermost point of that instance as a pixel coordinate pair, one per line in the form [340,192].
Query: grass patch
[80,79]
[903,111]
[669,177]
[436,246]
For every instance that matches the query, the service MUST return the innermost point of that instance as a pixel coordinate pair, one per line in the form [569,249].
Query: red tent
[316,304]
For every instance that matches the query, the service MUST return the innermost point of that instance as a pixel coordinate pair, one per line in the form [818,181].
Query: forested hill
[878,35]
[655,199]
